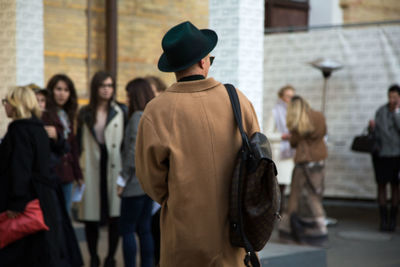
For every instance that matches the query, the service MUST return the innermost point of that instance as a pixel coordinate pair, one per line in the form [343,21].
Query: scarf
[62,115]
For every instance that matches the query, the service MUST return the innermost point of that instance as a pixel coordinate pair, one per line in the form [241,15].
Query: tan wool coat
[186,148]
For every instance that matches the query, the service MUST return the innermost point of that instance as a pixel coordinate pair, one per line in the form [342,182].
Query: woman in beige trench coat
[100,136]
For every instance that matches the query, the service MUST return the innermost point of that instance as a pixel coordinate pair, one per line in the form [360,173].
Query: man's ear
[202,63]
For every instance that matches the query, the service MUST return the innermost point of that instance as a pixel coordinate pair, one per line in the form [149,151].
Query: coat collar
[191,78]
[32,120]
[112,112]
[193,86]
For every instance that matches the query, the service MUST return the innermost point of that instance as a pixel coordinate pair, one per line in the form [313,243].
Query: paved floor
[355,241]
[102,250]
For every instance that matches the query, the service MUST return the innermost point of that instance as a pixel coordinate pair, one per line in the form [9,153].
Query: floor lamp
[326,66]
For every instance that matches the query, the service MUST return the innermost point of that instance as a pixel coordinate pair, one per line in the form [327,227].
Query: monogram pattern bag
[255,195]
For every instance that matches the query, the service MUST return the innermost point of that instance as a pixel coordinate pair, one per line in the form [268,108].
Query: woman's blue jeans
[67,191]
[136,218]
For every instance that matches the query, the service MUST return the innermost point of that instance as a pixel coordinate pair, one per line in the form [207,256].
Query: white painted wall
[239,52]
[29,42]
[326,12]
[371,57]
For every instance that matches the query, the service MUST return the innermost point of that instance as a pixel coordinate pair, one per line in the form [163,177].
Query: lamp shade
[327,66]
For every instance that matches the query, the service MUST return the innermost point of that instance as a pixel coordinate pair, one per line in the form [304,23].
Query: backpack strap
[237,112]
[251,256]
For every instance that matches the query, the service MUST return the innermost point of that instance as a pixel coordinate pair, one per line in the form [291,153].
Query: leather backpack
[255,196]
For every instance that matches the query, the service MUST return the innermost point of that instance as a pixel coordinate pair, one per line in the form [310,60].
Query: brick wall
[370,10]
[141,25]
[7,54]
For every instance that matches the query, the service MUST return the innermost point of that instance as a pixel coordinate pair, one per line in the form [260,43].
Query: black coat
[24,154]
[24,175]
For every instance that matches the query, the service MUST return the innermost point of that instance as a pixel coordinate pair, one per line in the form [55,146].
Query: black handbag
[363,143]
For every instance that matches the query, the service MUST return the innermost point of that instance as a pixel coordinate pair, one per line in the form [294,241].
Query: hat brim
[163,64]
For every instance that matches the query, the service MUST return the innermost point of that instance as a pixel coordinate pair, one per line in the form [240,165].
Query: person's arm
[255,127]
[377,128]
[59,146]
[294,139]
[125,111]
[151,161]
[371,127]
[78,176]
[21,170]
[128,153]
[270,129]
[320,129]
[396,116]
[128,160]
[249,116]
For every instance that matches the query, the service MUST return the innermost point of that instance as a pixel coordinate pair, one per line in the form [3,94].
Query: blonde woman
[307,128]
[24,176]
[278,135]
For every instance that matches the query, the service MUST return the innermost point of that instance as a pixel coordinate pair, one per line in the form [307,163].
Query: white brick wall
[371,57]
[251,49]
[21,47]
[240,28]
[29,41]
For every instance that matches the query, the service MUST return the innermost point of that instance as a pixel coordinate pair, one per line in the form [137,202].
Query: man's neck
[180,75]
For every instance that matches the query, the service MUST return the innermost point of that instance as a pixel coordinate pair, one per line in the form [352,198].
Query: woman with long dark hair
[59,118]
[136,206]
[100,136]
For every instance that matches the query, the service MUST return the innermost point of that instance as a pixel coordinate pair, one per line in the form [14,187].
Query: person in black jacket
[24,176]
[68,245]
[386,157]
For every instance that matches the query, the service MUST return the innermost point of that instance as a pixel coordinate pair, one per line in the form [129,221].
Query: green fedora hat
[184,45]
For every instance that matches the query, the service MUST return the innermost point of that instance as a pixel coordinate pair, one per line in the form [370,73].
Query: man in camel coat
[186,148]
